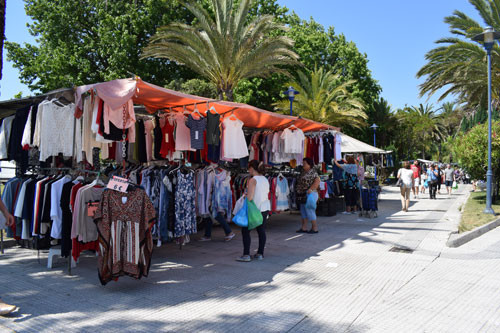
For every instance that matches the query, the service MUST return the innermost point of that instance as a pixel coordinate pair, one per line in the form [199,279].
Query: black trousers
[432,189]
[261,231]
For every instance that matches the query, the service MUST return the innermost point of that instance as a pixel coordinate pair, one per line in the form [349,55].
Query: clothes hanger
[196,111]
[211,108]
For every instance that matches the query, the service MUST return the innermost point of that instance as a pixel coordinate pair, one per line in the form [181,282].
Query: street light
[291,92]
[374,126]
[488,38]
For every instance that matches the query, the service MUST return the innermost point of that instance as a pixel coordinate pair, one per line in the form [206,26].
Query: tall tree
[458,64]
[325,98]
[81,42]
[226,48]
[2,32]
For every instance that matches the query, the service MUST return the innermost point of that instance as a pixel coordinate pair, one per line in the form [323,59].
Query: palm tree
[226,48]
[425,125]
[2,32]
[324,98]
[458,64]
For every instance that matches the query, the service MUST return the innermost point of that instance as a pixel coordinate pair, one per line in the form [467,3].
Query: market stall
[184,158]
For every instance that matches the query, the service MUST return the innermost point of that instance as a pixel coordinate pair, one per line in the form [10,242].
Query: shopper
[417,171]
[258,192]
[449,177]
[308,183]
[432,178]
[229,234]
[406,174]
[423,181]
[351,189]
[5,308]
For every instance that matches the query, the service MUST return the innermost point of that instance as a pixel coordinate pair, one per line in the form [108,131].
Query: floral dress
[185,209]
[306,179]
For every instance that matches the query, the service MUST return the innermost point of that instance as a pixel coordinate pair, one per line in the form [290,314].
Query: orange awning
[156,98]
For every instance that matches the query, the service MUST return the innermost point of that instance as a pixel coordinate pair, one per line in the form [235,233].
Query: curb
[457,240]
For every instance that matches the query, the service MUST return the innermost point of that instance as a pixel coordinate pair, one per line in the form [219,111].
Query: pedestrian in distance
[406,175]
[432,179]
[449,178]
[308,183]
[258,192]
[417,171]
[351,191]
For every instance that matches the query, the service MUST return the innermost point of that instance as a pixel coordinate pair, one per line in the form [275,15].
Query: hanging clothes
[182,134]
[185,210]
[234,144]
[197,128]
[124,221]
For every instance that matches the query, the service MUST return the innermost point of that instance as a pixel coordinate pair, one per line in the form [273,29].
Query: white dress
[235,145]
[56,131]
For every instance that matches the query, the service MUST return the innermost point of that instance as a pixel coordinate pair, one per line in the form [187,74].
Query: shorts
[449,183]
[417,181]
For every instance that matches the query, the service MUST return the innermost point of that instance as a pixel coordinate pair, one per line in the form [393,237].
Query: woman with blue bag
[307,196]
[257,198]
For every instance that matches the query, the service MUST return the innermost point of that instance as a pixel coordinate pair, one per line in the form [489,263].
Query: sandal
[312,232]
[301,231]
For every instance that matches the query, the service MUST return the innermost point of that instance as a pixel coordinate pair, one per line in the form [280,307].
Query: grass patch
[473,216]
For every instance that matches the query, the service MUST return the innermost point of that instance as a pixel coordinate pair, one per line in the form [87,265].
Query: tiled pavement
[343,279]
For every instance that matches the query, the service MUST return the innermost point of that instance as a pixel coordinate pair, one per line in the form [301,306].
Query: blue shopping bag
[312,200]
[241,217]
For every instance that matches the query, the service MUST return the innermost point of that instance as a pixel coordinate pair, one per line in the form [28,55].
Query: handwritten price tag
[118,184]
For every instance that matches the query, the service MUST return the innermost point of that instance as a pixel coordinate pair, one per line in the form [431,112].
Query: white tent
[352,145]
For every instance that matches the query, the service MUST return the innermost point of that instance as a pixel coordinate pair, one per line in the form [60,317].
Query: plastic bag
[238,204]
[241,217]
[312,200]
[426,184]
[455,185]
[254,215]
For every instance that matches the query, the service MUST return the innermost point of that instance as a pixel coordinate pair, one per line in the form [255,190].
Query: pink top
[116,117]
[182,134]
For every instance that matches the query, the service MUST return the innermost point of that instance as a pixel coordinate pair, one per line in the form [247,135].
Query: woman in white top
[258,191]
[407,181]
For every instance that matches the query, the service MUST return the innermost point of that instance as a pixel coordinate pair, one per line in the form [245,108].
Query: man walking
[417,171]
[432,178]
[449,177]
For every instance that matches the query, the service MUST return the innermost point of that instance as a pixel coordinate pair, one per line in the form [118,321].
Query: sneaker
[258,256]
[245,258]
[205,239]
[229,237]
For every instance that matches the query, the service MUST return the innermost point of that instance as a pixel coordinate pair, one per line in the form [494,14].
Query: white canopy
[352,145]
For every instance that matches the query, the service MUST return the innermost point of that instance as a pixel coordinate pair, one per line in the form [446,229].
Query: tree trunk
[3,4]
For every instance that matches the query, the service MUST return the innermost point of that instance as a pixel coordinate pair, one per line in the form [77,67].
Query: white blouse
[235,145]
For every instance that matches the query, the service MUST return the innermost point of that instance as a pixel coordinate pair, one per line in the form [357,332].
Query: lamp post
[374,126]
[488,38]
[291,92]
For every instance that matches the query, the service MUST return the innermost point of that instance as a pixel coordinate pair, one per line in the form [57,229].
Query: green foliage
[472,152]
[458,64]
[81,42]
[196,87]
[227,48]
[325,98]
[18,95]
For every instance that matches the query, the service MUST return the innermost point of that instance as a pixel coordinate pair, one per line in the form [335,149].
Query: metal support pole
[291,107]
[489,173]
[375,145]
[1,239]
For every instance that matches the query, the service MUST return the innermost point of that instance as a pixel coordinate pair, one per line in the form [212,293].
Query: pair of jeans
[261,231]
[219,218]
[306,213]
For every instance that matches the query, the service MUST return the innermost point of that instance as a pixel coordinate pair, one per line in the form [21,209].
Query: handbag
[255,218]
[399,183]
[241,217]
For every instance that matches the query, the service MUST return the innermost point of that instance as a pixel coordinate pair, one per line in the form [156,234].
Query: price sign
[118,184]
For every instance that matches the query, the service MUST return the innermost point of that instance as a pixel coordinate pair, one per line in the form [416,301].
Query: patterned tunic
[125,241]
[185,210]
[306,179]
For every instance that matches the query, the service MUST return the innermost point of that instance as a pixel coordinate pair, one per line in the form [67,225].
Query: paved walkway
[344,279]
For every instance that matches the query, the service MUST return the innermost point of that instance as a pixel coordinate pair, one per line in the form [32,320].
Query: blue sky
[395,35]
